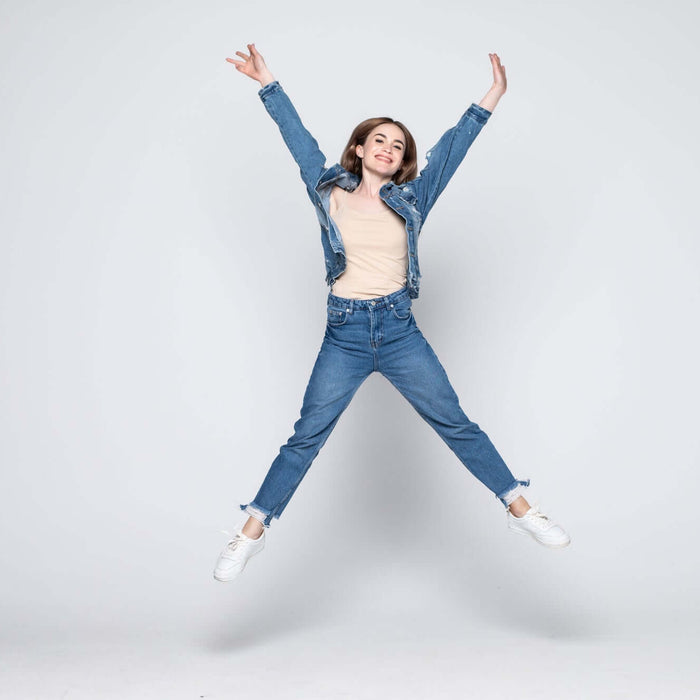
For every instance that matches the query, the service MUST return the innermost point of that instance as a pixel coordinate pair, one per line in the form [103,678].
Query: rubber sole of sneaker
[544,544]
[227,580]
[233,578]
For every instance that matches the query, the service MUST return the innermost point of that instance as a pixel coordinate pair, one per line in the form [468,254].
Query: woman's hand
[499,73]
[253,65]
[499,84]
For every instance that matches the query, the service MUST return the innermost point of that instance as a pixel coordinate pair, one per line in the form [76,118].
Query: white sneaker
[539,526]
[235,555]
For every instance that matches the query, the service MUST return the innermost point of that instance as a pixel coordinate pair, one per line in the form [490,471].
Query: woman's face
[383,150]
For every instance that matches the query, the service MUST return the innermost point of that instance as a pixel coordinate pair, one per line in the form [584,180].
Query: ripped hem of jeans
[514,491]
[258,513]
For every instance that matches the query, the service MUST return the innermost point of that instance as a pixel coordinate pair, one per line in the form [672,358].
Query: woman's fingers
[496,61]
[244,56]
[252,65]
[255,54]
[499,71]
[241,65]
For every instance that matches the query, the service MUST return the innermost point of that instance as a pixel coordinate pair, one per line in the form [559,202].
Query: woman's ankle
[253,528]
[519,507]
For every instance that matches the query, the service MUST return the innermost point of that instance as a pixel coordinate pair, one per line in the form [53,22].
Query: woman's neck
[370,184]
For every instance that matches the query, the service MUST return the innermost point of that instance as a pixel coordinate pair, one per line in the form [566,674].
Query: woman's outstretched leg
[412,366]
[337,374]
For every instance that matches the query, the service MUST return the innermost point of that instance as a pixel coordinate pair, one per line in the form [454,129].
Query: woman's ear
[359,151]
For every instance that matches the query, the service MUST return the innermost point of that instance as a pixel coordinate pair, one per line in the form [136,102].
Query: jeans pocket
[337,317]
[402,310]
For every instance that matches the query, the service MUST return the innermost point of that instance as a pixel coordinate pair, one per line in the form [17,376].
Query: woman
[377,201]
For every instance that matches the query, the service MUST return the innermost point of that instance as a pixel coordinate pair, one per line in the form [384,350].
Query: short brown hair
[351,162]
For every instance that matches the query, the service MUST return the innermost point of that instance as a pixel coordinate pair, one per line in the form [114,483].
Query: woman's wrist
[266,79]
[491,98]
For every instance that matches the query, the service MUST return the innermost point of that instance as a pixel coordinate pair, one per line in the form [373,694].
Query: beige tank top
[376,250]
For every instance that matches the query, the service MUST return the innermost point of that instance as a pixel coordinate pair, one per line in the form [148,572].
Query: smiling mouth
[383,158]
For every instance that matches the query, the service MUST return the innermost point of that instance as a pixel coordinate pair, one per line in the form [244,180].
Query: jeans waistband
[375,303]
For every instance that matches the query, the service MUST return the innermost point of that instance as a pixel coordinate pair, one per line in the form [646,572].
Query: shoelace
[234,541]
[540,519]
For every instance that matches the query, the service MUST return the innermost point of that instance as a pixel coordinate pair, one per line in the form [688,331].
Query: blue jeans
[377,335]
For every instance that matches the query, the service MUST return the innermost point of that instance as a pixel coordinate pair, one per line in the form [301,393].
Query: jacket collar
[337,175]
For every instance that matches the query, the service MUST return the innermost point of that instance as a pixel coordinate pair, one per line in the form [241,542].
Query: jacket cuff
[479,113]
[270,87]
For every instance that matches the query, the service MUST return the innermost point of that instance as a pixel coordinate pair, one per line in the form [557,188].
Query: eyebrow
[397,140]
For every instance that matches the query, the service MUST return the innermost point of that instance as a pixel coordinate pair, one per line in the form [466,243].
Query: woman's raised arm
[446,155]
[499,84]
[302,145]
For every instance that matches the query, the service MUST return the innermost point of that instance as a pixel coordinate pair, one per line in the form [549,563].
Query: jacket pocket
[408,195]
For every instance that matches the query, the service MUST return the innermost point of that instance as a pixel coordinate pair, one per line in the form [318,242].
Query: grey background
[162,303]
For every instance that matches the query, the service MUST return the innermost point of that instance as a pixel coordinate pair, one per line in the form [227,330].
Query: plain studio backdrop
[162,302]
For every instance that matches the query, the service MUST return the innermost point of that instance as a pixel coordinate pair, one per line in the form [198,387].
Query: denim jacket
[411,200]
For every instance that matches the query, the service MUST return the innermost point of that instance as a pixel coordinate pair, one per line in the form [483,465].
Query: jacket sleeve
[300,142]
[446,155]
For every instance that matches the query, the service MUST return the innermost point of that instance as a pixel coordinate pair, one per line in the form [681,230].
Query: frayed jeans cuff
[514,491]
[257,513]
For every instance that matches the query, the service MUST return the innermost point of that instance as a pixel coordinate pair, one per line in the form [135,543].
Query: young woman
[371,207]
